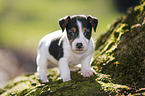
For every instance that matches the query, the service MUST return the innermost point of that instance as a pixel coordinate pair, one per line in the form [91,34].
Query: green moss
[29,85]
[2,91]
[121,54]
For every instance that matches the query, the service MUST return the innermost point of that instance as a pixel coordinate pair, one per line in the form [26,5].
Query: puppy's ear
[63,22]
[93,21]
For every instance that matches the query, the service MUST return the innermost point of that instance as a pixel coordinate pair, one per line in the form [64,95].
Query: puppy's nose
[79,45]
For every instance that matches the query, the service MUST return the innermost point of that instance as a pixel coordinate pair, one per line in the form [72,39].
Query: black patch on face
[55,49]
[70,32]
[88,33]
[72,23]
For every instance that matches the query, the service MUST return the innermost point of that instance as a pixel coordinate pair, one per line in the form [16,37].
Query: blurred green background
[24,22]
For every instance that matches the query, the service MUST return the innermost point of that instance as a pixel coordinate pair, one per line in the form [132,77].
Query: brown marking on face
[85,29]
[70,41]
[74,29]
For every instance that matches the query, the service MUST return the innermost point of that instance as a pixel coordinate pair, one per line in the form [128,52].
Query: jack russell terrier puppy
[68,47]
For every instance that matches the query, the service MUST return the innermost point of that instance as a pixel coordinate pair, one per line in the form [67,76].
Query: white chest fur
[69,58]
[74,58]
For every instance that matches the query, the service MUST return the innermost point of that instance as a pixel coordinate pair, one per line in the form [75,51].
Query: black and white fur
[68,47]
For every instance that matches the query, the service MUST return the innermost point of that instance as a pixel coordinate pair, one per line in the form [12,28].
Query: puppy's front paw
[88,72]
[64,80]
[45,81]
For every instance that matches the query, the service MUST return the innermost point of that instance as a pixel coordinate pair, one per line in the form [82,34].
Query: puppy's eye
[71,33]
[86,33]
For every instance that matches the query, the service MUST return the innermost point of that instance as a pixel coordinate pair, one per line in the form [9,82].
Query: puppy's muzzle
[79,46]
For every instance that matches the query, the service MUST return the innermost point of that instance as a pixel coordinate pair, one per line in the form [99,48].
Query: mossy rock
[30,85]
[120,52]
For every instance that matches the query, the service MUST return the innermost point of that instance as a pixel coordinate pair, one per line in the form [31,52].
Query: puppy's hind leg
[42,67]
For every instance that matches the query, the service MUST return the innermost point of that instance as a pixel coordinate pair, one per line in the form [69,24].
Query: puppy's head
[79,31]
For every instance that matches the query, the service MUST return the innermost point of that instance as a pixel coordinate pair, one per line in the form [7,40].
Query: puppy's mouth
[79,51]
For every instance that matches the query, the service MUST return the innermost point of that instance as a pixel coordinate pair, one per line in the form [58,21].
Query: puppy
[68,47]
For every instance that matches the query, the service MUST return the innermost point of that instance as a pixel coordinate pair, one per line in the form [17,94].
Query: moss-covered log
[119,60]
